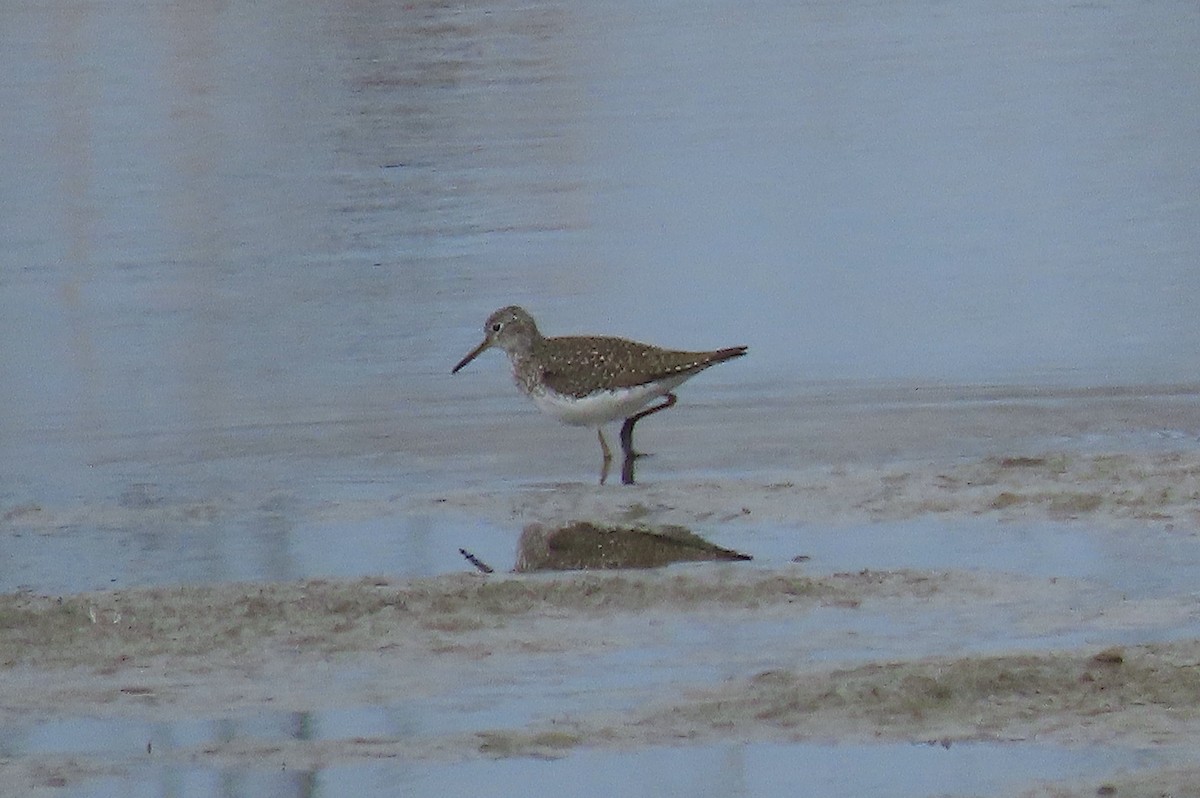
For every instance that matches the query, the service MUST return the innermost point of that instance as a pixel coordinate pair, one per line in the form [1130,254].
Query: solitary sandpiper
[588,381]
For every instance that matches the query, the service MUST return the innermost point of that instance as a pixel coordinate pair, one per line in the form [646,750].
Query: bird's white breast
[603,406]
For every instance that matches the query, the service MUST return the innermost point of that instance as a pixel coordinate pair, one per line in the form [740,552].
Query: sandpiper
[589,381]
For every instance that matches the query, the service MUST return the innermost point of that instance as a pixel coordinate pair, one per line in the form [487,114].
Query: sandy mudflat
[965,659]
[1103,488]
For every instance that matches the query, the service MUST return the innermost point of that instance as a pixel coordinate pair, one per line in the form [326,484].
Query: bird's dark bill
[470,356]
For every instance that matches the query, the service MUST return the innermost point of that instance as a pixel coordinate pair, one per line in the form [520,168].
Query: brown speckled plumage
[582,365]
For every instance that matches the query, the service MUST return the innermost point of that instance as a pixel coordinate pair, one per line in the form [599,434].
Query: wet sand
[240,649]
[1102,488]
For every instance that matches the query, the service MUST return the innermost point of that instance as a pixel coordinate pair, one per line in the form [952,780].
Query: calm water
[242,244]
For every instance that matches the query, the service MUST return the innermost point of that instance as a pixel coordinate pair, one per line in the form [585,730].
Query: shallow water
[752,770]
[355,519]
[727,770]
[244,243]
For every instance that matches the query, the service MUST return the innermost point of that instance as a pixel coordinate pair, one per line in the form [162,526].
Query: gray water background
[243,244]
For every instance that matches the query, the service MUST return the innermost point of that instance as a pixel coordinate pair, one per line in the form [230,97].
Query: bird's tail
[721,355]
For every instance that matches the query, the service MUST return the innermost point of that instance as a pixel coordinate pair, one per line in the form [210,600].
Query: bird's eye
[496,327]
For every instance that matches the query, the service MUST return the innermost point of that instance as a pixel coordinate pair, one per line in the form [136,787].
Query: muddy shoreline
[785,653]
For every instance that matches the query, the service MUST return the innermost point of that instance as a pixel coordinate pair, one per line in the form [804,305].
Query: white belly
[604,406]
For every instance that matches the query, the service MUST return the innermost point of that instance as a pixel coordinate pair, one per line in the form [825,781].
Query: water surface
[245,243]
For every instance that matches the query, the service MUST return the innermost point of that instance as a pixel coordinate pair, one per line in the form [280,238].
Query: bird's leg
[604,446]
[627,469]
[627,427]
[607,455]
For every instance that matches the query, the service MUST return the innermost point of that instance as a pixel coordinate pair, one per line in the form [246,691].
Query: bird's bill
[471,355]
